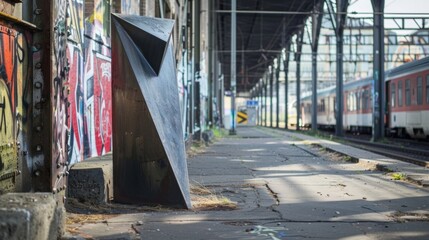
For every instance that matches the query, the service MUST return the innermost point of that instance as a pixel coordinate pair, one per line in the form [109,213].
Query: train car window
[357,95]
[408,92]
[400,94]
[322,105]
[365,100]
[419,91]
[427,89]
[392,94]
[348,101]
[354,101]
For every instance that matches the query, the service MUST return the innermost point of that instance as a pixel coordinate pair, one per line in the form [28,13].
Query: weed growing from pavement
[219,132]
[399,176]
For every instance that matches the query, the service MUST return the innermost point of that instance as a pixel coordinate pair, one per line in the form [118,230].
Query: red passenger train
[407,103]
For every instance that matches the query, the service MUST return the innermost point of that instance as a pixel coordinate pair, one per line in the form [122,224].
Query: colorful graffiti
[100,18]
[13,103]
[98,100]
[87,80]
[97,78]
[60,93]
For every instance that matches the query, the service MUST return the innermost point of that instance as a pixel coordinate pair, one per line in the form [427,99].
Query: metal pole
[286,69]
[314,91]
[298,77]
[232,131]
[339,108]
[316,25]
[271,72]
[211,65]
[340,22]
[379,91]
[161,8]
[265,99]
[197,53]
[260,105]
[278,93]
[191,79]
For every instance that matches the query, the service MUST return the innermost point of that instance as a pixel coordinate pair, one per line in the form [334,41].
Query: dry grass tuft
[204,199]
[195,149]
[212,202]
[199,189]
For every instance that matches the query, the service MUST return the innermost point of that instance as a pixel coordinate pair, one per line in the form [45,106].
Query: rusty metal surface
[149,161]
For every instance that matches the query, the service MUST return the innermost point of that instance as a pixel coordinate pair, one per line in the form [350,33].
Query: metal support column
[299,40]
[221,100]
[265,99]
[340,24]
[379,91]
[197,77]
[232,131]
[190,84]
[278,93]
[316,25]
[260,103]
[271,72]
[286,70]
[211,64]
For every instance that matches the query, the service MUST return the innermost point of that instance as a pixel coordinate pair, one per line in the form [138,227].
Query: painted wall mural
[82,92]
[64,29]
[97,79]
[14,102]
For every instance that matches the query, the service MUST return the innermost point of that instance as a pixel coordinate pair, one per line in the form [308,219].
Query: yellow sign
[241,117]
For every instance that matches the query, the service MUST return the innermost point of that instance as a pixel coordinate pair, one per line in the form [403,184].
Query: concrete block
[91,181]
[31,216]
[208,136]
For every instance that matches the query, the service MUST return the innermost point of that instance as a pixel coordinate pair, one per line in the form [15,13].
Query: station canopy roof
[261,35]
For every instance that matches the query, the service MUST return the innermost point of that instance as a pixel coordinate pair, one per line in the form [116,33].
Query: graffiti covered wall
[14,103]
[98,96]
[81,94]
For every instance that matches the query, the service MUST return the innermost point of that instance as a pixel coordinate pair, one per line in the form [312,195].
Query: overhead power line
[308,13]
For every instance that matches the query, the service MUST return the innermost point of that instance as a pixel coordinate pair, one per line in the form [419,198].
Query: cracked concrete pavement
[284,190]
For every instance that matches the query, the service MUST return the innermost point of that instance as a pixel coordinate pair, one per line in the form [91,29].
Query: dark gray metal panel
[149,161]
[379,92]
[150,36]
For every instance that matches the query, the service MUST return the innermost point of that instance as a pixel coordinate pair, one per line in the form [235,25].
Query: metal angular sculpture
[149,162]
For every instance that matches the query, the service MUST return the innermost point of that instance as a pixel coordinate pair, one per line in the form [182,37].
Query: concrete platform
[284,190]
[30,216]
[414,173]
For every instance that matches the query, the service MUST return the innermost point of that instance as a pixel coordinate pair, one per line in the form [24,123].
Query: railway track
[416,156]
[401,149]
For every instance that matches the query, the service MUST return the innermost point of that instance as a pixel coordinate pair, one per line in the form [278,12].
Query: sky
[394,6]
[402,6]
